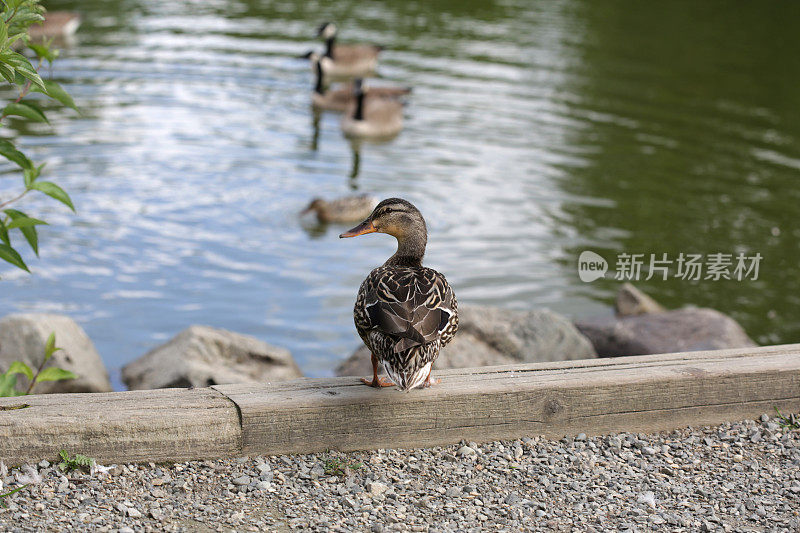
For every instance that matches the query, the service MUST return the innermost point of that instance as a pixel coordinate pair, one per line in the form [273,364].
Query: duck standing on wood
[405,313]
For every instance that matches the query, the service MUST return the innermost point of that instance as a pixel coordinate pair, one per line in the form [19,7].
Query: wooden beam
[137,426]
[643,393]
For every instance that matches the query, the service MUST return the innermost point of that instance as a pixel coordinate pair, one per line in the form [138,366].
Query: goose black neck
[329,46]
[318,88]
[359,114]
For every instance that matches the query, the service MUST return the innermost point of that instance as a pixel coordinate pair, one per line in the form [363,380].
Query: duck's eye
[387,210]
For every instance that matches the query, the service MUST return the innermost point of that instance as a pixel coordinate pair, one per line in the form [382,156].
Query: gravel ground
[734,477]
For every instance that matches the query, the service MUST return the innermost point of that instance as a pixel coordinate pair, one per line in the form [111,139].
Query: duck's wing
[412,305]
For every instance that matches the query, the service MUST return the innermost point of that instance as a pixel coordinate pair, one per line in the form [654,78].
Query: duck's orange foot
[430,382]
[377,382]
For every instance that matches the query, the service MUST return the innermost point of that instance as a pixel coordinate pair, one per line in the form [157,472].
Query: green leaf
[25,109]
[26,225]
[30,175]
[54,373]
[50,347]
[8,72]
[27,18]
[56,92]
[43,51]
[22,66]
[18,367]
[8,384]
[4,233]
[8,151]
[9,493]
[21,220]
[3,34]
[10,255]
[53,191]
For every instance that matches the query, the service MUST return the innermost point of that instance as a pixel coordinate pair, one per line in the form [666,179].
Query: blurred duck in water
[344,60]
[344,209]
[56,24]
[340,98]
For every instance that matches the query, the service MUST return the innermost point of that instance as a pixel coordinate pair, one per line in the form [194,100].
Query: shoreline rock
[23,337]
[491,336]
[201,356]
[644,327]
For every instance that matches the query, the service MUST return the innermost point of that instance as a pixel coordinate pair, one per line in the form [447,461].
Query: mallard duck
[346,60]
[405,313]
[55,24]
[369,117]
[340,98]
[344,209]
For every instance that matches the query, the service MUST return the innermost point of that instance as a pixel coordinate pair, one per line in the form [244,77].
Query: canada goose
[372,118]
[344,209]
[55,24]
[346,60]
[338,99]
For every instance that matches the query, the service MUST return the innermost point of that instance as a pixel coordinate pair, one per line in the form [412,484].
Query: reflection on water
[533,132]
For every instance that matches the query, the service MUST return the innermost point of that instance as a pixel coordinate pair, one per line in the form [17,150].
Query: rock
[23,338]
[631,301]
[494,336]
[377,488]
[202,356]
[241,480]
[466,451]
[681,330]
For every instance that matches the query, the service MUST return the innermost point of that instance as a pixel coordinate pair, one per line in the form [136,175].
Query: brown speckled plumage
[404,312]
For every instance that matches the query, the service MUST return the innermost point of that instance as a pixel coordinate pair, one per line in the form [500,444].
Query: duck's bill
[362,229]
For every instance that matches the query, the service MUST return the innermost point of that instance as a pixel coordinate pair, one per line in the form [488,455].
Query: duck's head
[400,219]
[327,30]
[393,216]
[311,55]
[316,205]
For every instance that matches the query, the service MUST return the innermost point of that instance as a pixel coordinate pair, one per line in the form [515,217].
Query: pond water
[534,132]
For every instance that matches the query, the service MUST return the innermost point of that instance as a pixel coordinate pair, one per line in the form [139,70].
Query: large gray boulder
[201,356]
[682,330]
[23,338]
[494,336]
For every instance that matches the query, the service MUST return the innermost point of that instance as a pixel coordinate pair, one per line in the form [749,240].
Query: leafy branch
[8,379]
[16,17]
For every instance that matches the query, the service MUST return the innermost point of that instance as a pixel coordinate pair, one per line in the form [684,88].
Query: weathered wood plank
[646,393]
[157,425]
